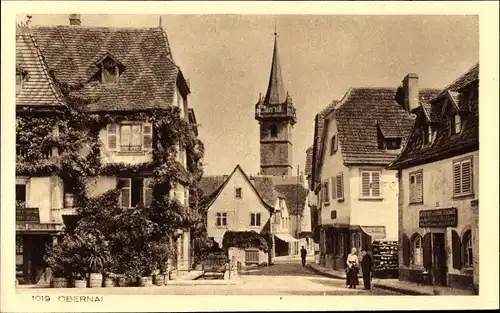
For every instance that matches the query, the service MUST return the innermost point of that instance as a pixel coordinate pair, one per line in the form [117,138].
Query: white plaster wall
[40,196]
[238,210]
[333,165]
[375,212]
[98,185]
[438,193]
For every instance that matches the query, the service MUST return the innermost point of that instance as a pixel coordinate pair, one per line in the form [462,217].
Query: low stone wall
[239,256]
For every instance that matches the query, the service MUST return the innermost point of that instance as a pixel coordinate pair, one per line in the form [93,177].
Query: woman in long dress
[352,269]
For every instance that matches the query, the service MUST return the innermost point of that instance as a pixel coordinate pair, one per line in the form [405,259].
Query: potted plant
[95,266]
[160,253]
[69,199]
[59,278]
[60,260]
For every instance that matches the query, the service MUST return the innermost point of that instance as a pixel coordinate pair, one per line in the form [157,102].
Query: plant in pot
[95,267]
[60,258]
[160,253]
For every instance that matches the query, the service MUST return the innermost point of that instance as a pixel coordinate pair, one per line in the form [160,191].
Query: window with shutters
[135,191]
[339,186]
[467,250]
[128,137]
[417,252]
[255,219]
[334,187]
[416,187]
[370,184]
[462,177]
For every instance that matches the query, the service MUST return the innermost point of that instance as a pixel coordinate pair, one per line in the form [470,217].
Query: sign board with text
[438,218]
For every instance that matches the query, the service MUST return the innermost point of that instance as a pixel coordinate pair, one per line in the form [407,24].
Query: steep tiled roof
[211,186]
[38,87]
[295,197]
[147,81]
[358,115]
[445,145]
[309,157]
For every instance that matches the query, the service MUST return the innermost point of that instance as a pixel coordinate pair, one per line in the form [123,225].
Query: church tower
[276,116]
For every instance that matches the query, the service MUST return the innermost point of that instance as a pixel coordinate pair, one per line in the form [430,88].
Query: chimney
[75,20]
[410,90]
[225,177]
[252,180]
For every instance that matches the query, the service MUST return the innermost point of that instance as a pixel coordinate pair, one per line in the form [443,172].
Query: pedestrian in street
[366,267]
[303,253]
[352,269]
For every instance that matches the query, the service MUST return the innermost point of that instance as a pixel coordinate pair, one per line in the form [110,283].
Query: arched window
[467,249]
[416,250]
[274,130]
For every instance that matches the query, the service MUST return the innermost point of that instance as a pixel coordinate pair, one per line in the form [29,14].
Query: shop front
[440,250]
[285,244]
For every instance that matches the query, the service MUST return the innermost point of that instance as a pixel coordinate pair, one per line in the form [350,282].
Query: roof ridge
[45,70]
[462,75]
[97,27]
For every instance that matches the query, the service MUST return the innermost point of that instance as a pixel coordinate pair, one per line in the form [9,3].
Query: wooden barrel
[95,280]
[146,281]
[80,283]
[159,280]
[58,282]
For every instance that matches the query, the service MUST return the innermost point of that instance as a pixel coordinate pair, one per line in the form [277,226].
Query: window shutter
[336,143]
[334,188]
[252,219]
[456,178]
[148,192]
[427,252]
[406,250]
[365,184]
[112,135]
[412,188]
[375,184]
[258,219]
[418,187]
[147,136]
[466,177]
[340,186]
[327,191]
[456,247]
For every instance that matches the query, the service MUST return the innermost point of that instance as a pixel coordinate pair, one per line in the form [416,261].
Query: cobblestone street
[285,277]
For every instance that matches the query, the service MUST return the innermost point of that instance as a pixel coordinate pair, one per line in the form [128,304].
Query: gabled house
[438,172]
[300,216]
[119,72]
[239,202]
[355,139]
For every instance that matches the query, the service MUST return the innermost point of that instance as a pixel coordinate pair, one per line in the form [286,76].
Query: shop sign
[26,227]
[438,218]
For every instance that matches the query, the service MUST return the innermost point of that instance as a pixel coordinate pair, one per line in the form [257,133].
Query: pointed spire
[275,91]
[159,22]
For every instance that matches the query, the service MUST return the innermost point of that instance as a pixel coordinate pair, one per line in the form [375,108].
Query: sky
[227,59]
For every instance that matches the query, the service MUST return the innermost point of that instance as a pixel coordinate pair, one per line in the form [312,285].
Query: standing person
[352,269]
[366,266]
[303,253]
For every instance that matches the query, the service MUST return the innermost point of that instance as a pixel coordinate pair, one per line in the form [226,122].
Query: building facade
[355,139]
[439,188]
[107,74]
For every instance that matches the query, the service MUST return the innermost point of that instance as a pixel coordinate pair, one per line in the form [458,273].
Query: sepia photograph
[244,155]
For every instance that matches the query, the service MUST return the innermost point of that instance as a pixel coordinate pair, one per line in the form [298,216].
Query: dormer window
[456,124]
[427,135]
[393,143]
[110,69]
[388,138]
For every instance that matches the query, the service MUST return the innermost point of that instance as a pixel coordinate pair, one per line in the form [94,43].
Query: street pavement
[285,277]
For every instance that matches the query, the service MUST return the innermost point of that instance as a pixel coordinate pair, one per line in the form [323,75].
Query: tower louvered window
[462,177]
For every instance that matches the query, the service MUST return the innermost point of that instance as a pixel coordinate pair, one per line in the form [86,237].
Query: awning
[286,237]
[376,232]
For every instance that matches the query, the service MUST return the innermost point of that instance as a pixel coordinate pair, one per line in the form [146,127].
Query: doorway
[438,259]
[34,266]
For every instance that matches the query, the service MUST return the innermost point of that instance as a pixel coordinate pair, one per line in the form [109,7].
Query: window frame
[144,188]
[221,217]
[254,217]
[467,250]
[460,162]
[114,132]
[326,192]
[370,173]
[333,144]
[238,193]
[417,239]
[411,193]
[273,131]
